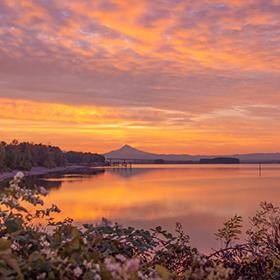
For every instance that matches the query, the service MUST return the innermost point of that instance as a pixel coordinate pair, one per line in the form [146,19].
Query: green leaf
[3,270]
[169,236]
[5,244]
[127,231]
[20,208]
[22,241]
[11,260]
[68,232]
[98,238]
[56,237]
[162,271]
[142,249]
[34,256]
[11,226]
[158,228]
[75,244]
[95,256]
[106,275]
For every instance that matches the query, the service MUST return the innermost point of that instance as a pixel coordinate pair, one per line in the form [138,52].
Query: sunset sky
[164,76]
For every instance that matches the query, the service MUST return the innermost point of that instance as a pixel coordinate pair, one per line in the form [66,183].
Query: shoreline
[40,170]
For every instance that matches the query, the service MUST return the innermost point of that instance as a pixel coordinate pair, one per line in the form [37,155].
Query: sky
[164,76]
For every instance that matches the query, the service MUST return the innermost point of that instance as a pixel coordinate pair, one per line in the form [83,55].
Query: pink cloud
[193,58]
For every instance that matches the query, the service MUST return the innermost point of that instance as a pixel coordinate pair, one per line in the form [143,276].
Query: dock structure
[124,162]
[121,164]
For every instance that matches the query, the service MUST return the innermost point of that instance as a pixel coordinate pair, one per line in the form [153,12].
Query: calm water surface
[201,197]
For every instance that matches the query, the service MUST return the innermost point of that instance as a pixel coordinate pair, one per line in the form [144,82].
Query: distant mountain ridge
[129,152]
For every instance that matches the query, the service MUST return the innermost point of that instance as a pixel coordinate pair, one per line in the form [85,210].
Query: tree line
[23,156]
[83,158]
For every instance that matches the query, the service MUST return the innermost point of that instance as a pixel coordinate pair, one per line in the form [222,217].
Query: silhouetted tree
[12,155]
[2,156]
[83,158]
[24,155]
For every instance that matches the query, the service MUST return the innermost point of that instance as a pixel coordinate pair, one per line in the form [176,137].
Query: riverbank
[38,171]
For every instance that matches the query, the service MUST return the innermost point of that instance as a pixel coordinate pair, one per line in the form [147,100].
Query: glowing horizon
[162,76]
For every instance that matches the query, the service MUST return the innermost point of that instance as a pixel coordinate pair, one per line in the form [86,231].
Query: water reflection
[200,197]
[53,180]
[129,172]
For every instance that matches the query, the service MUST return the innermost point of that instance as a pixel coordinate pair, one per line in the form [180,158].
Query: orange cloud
[91,128]
[112,68]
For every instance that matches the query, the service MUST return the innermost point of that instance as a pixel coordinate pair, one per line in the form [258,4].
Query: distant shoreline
[38,171]
[44,170]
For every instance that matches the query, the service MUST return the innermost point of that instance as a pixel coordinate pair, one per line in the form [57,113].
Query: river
[200,197]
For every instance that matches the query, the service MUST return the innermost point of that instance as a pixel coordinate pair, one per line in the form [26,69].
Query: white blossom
[40,201]
[19,175]
[97,267]
[141,276]
[132,265]
[42,275]
[88,265]
[97,277]
[77,271]
[115,268]
[120,257]
[200,258]
[5,199]
[43,191]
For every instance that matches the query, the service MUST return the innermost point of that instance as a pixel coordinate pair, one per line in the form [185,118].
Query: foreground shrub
[259,257]
[107,251]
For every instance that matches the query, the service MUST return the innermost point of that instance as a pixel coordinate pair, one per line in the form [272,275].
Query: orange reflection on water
[115,193]
[200,197]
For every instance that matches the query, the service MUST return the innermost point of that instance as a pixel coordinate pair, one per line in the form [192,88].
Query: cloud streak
[186,67]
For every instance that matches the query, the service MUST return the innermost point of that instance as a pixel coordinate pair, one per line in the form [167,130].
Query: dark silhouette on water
[219,160]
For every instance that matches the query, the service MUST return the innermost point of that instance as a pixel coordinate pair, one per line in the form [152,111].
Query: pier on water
[125,162]
[121,164]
